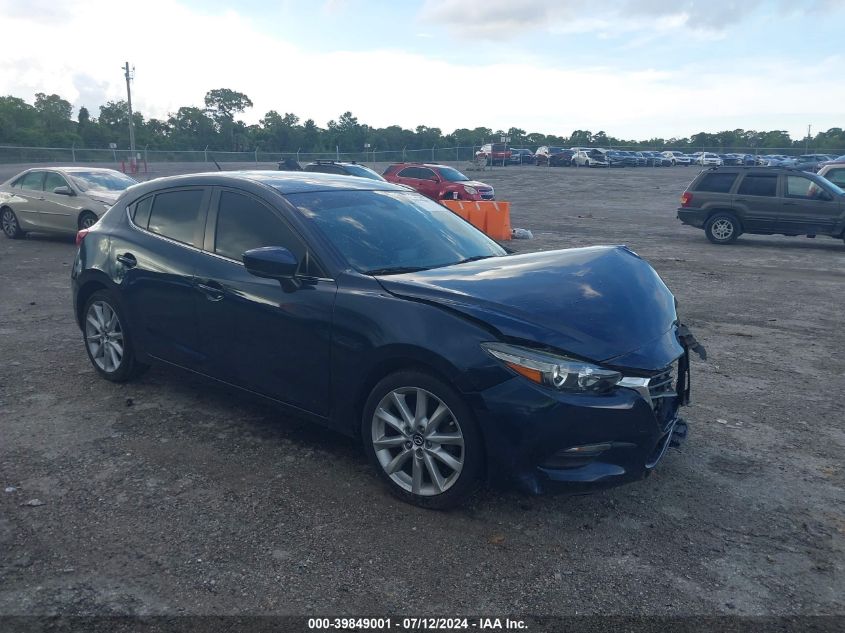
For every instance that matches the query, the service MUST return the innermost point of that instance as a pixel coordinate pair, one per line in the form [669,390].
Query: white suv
[677,158]
[706,158]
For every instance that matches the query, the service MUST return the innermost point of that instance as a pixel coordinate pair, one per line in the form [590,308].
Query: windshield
[452,175]
[363,172]
[383,232]
[101,180]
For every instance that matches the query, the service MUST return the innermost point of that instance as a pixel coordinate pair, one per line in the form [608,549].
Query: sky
[635,69]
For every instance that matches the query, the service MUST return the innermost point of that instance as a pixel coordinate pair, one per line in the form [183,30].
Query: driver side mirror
[64,190]
[824,195]
[273,262]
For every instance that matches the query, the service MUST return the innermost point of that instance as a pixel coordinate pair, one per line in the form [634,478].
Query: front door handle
[128,260]
[212,290]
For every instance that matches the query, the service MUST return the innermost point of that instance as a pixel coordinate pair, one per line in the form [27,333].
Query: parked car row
[547,155]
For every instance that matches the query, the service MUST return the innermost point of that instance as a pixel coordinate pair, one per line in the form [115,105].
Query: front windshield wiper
[473,259]
[395,270]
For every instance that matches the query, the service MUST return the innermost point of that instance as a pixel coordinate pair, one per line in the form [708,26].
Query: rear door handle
[212,290]
[128,260]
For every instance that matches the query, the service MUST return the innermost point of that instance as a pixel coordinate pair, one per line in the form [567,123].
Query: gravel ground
[171,495]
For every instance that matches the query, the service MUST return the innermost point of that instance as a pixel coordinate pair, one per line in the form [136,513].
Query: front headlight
[470,190]
[550,370]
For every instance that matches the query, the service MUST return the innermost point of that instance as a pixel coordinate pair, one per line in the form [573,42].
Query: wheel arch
[83,212]
[725,210]
[86,289]
[384,368]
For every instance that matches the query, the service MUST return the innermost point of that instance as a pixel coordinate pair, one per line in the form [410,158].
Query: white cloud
[498,19]
[180,54]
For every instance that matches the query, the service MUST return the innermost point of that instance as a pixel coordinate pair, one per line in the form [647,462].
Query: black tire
[412,449]
[10,225]
[128,367]
[86,220]
[722,228]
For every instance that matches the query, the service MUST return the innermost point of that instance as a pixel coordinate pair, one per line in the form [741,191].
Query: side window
[243,223]
[836,176]
[753,185]
[175,214]
[53,180]
[141,212]
[800,187]
[426,174]
[33,181]
[716,182]
[410,172]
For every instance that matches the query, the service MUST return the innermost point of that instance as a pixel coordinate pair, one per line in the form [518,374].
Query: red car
[438,182]
[495,153]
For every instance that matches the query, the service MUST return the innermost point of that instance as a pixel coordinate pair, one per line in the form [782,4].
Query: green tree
[18,122]
[53,112]
[223,104]
[193,129]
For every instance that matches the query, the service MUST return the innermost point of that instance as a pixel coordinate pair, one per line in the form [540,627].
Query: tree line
[49,122]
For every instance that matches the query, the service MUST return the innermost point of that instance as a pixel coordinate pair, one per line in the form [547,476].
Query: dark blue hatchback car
[379,313]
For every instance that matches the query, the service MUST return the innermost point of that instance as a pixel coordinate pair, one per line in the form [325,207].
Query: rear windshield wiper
[395,270]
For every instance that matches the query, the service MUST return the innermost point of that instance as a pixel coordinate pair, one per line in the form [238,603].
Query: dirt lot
[171,496]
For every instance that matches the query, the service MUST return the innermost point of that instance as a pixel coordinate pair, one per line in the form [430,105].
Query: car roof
[413,164]
[71,169]
[284,182]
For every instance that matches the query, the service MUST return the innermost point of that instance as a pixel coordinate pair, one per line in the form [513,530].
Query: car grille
[663,384]
[662,389]
[486,195]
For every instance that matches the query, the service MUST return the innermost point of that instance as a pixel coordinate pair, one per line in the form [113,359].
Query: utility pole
[131,122]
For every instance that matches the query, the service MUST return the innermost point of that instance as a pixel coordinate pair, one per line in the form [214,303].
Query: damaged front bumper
[546,441]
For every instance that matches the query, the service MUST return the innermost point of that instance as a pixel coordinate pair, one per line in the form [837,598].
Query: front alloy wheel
[9,223]
[422,440]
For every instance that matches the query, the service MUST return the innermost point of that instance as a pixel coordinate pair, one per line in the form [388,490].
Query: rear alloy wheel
[9,224]
[107,341]
[722,228]
[422,440]
[87,219]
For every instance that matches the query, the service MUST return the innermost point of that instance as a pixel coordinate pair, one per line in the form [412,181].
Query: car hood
[601,303]
[473,183]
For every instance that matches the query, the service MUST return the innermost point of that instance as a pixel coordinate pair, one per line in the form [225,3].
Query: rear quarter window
[716,182]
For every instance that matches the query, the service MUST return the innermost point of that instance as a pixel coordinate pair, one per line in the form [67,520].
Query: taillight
[686,199]
[80,235]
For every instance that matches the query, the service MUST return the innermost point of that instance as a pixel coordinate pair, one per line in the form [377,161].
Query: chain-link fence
[143,158]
